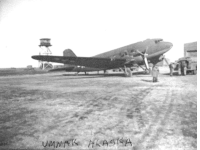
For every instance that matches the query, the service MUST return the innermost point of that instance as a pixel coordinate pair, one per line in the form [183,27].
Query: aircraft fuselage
[155,48]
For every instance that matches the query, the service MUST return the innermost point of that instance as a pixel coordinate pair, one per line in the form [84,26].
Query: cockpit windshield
[157,40]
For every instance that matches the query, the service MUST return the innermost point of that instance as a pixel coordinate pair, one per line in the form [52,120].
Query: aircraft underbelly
[85,69]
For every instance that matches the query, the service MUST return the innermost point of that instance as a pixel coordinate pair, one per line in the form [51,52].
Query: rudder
[69,53]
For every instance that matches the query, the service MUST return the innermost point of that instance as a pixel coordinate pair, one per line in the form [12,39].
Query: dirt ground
[63,111]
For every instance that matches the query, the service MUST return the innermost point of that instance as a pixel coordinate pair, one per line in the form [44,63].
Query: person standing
[171,67]
[155,72]
[184,68]
[179,68]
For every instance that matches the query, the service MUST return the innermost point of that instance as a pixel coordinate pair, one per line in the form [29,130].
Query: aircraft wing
[93,62]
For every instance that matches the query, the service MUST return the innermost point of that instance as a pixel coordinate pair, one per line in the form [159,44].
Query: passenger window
[121,54]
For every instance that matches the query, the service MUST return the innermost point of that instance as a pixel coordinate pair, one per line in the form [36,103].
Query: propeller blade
[139,52]
[146,63]
[146,49]
[166,61]
[144,55]
[163,58]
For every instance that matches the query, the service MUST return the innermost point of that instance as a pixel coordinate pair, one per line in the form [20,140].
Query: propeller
[166,61]
[144,56]
[163,58]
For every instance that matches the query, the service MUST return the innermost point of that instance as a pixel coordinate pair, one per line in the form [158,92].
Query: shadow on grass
[96,75]
[176,74]
[79,76]
[147,80]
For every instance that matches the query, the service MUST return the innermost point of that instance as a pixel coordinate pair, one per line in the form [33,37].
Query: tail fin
[69,53]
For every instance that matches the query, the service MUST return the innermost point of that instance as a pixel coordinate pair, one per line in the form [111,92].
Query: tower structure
[44,45]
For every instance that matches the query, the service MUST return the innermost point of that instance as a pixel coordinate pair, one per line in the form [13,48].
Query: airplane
[140,53]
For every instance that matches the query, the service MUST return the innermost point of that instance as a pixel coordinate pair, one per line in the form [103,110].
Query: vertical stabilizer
[69,53]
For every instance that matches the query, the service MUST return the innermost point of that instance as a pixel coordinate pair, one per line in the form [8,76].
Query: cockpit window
[157,40]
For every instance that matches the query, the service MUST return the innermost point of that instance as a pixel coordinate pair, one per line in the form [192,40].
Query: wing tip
[35,57]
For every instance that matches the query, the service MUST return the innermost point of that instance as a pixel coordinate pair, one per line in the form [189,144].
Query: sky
[90,27]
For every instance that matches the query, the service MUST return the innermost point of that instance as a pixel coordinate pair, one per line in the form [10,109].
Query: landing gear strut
[127,72]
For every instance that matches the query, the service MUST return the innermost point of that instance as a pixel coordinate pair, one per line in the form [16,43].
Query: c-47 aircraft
[140,53]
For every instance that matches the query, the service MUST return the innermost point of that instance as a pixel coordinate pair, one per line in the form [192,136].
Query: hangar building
[190,49]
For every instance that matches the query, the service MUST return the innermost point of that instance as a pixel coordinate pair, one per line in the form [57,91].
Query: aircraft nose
[168,46]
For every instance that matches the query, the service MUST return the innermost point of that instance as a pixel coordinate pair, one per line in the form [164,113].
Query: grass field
[20,71]
[98,112]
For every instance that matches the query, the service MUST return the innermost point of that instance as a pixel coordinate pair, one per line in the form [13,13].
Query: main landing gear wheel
[148,71]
